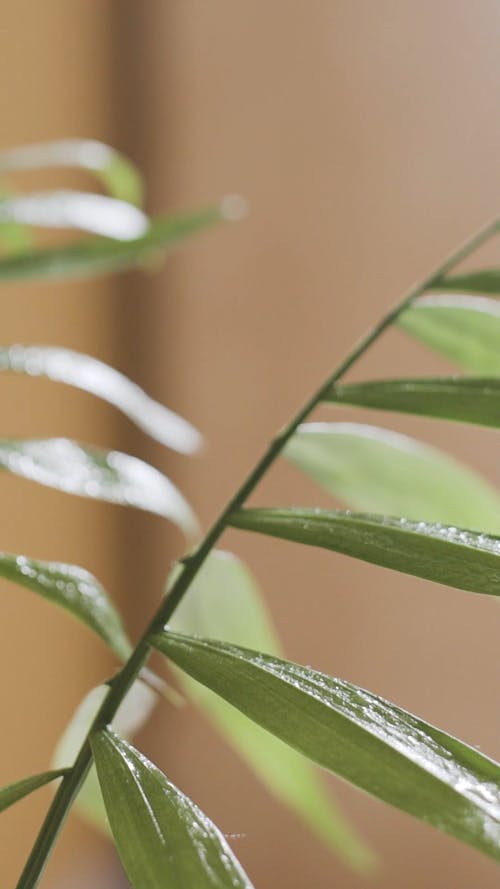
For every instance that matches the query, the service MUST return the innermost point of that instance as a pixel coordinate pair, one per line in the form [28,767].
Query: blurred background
[366,139]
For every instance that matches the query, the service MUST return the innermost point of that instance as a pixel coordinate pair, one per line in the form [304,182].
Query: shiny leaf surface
[377,470]
[464,399]
[445,554]
[164,840]
[465,329]
[101,475]
[75,590]
[91,375]
[225,601]
[94,213]
[483,281]
[101,256]
[119,175]
[13,792]
[370,742]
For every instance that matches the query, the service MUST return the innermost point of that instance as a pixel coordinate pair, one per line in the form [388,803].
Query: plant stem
[72,782]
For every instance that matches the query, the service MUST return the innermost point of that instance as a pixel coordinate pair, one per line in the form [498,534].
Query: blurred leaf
[100,256]
[95,213]
[75,590]
[162,837]
[465,329]
[465,399]
[484,281]
[101,475]
[91,375]
[134,712]
[224,601]
[462,559]
[361,737]
[377,470]
[120,176]
[13,792]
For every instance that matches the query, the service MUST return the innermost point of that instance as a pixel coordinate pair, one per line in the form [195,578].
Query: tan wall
[366,138]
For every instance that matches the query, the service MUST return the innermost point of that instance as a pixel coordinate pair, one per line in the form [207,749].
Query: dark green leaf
[462,559]
[102,475]
[13,792]
[361,737]
[75,590]
[485,281]
[465,329]
[99,256]
[465,399]
[224,601]
[94,213]
[91,375]
[163,839]
[377,470]
[119,175]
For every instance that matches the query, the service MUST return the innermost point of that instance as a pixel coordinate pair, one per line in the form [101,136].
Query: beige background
[366,138]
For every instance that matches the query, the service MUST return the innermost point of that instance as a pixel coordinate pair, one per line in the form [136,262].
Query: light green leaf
[224,601]
[133,713]
[375,745]
[94,213]
[464,399]
[442,553]
[163,838]
[75,590]
[101,475]
[465,329]
[484,281]
[377,470]
[91,375]
[101,256]
[13,792]
[119,175]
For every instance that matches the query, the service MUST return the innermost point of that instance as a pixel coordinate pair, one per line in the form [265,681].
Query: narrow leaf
[484,281]
[102,475]
[119,175]
[75,590]
[464,399]
[163,838]
[464,329]
[377,470]
[13,792]
[462,559]
[95,256]
[91,375]
[225,601]
[375,745]
[94,213]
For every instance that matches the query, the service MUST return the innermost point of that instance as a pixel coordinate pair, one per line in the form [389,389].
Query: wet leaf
[91,375]
[163,838]
[463,559]
[13,792]
[368,741]
[377,470]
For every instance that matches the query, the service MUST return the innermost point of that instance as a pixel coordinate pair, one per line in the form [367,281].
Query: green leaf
[375,745]
[119,176]
[133,713]
[224,601]
[94,213]
[91,375]
[484,281]
[13,792]
[100,256]
[75,590]
[377,470]
[463,328]
[464,399]
[101,475]
[163,838]
[463,559]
